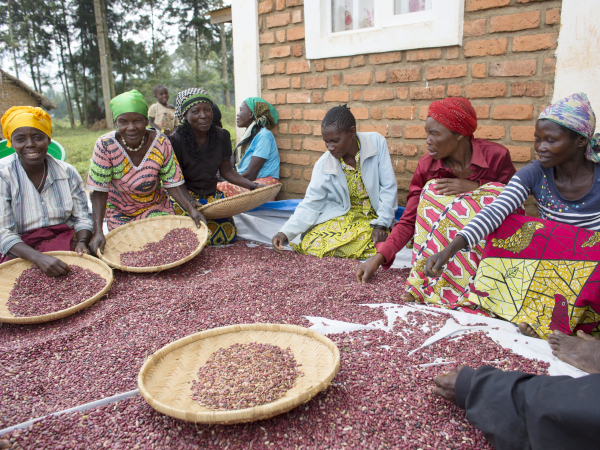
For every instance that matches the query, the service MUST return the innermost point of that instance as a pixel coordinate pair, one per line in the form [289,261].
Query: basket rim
[265,189]
[63,312]
[248,414]
[148,269]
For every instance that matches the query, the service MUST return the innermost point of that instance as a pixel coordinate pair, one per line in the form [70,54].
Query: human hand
[378,235]
[82,248]
[435,264]
[368,268]
[454,186]
[258,186]
[98,241]
[279,241]
[196,215]
[51,266]
[445,384]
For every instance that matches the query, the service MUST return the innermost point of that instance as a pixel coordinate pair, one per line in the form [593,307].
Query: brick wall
[13,95]
[505,67]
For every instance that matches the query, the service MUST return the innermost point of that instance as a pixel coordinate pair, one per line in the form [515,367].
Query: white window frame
[439,27]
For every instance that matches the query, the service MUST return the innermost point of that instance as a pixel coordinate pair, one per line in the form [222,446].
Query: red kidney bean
[174,246]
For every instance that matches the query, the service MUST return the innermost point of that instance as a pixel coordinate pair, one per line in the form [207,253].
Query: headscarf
[217,116]
[455,113]
[265,115]
[575,113]
[128,102]
[188,98]
[25,116]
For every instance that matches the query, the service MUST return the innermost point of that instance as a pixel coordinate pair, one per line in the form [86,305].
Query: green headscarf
[265,113]
[132,101]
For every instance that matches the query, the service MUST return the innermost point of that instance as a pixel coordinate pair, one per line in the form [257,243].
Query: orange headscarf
[25,116]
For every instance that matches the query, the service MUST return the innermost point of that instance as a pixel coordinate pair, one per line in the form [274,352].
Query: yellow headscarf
[25,116]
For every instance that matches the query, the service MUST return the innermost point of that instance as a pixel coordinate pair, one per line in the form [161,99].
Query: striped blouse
[538,181]
[23,208]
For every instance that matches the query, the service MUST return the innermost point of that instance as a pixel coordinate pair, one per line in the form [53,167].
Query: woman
[458,176]
[260,157]
[204,149]
[43,206]
[352,196]
[132,170]
[542,273]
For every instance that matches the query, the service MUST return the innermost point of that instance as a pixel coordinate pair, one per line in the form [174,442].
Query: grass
[79,142]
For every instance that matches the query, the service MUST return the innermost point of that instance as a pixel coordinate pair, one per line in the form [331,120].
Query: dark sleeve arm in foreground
[515,410]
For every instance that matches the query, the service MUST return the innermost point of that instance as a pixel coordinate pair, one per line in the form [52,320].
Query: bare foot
[408,297]
[582,351]
[528,330]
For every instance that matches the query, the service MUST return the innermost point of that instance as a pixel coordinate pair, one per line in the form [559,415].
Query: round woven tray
[10,271]
[134,235]
[165,378]
[227,207]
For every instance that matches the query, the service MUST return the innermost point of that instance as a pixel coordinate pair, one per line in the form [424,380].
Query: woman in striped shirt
[542,273]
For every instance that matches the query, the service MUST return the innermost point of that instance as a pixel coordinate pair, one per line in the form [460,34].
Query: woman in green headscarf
[132,170]
[257,148]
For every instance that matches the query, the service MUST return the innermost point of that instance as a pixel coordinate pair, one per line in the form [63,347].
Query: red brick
[279,20]
[289,3]
[528,89]
[265,7]
[284,144]
[336,79]
[266,38]
[281,67]
[296,188]
[405,75]
[474,28]
[396,130]
[553,16]
[549,66]
[360,113]
[317,97]
[284,172]
[268,69]
[337,96]
[320,65]
[271,98]
[452,53]
[442,72]
[280,5]
[381,76]
[403,149]
[522,68]
[280,36]
[297,16]
[377,113]
[515,22]
[298,67]
[400,112]
[283,128]
[280,52]
[297,143]
[478,5]
[423,110]
[315,114]
[490,132]
[522,133]
[426,93]
[298,97]
[513,112]
[315,146]
[381,129]
[296,128]
[337,63]
[307,174]
[423,55]
[297,173]
[356,94]
[298,51]
[318,82]
[454,90]
[411,166]
[278,83]
[373,95]
[519,154]
[298,159]
[534,42]
[281,99]
[402,93]
[317,130]
[478,70]
[403,185]
[295,34]
[385,58]
[296,82]
[486,47]
[358,61]
[360,78]
[482,111]
[399,165]
[485,90]
[415,132]
[284,113]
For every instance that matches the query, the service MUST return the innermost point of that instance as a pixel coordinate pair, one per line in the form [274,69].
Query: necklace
[43,176]
[138,148]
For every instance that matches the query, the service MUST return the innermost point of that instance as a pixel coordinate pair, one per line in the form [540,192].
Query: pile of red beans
[176,245]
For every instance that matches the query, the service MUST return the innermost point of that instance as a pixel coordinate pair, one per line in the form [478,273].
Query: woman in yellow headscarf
[43,206]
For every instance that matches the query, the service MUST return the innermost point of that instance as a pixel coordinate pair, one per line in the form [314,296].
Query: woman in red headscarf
[458,176]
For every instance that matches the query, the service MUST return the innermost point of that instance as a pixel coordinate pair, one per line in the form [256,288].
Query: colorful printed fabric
[439,219]
[131,101]
[347,236]
[25,116]
[575,112]
[455,113]
[543,273]
[263,111]
[222,231]
[183,96]
[231,189]
[134,192]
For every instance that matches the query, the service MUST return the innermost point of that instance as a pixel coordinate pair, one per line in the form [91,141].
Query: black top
[200,165]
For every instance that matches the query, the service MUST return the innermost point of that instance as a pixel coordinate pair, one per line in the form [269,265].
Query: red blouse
[489,162]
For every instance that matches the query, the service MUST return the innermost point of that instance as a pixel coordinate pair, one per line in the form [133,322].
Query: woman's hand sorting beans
[368,268]
[279,241]
[51,266]
[446,383]
[98,241]
[197,216]
[82,248]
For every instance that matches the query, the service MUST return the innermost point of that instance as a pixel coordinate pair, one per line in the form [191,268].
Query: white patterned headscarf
[182,97]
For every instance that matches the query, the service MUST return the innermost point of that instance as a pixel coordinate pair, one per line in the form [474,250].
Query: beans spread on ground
[245,375]
[176,245]
[35,293]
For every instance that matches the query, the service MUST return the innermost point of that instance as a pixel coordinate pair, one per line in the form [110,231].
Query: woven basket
[227,207]
[10,271]
[134,235]
[165,378]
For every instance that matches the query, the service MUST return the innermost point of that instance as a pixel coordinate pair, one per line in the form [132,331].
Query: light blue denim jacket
[328,195]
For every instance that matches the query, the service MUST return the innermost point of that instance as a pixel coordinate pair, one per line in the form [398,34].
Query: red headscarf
[456,114]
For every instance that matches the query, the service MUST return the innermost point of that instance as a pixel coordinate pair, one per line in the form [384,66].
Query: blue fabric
[290,205]
[262,146]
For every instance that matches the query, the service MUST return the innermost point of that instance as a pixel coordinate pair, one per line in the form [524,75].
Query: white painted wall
[246,53]
[578,52]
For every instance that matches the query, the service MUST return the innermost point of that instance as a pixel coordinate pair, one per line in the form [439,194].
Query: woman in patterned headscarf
[132,170]
[543,273]
[202,150]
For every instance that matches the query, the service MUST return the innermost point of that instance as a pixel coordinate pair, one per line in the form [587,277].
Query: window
[352,27]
